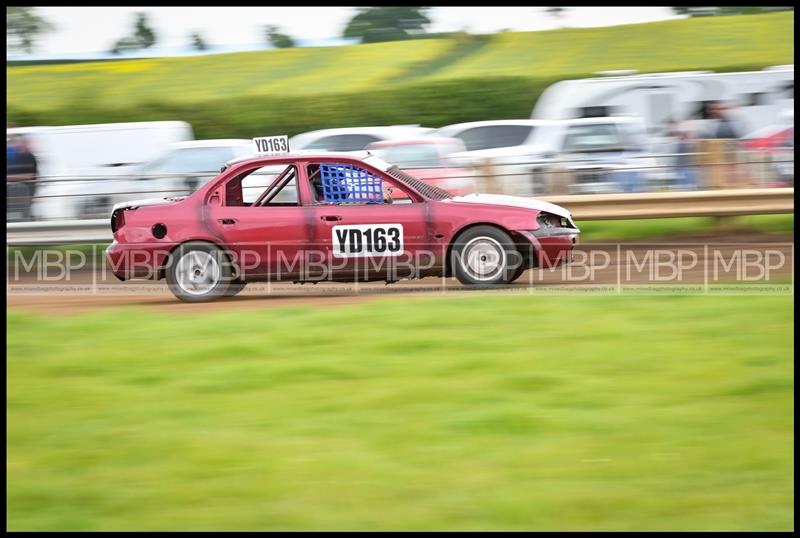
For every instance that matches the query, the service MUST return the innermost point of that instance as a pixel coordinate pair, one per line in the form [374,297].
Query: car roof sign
[271,145]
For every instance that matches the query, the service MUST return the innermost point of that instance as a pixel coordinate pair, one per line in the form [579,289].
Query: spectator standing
[725,126]
[11,150]
[21,175]
[683,148]
[721,149]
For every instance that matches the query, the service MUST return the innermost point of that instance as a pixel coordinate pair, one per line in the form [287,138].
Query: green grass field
[697,43]
[487,411]
[703,43]
[636,229]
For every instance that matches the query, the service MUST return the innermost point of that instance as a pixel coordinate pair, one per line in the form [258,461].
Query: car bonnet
[511,201]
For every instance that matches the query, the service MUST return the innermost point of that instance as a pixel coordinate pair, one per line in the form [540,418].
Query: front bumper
[550,247]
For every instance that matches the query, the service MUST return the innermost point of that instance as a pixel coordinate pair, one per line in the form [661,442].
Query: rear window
[495,136]
[410,155]
[347,142]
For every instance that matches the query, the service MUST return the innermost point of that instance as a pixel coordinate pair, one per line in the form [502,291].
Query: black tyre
[199,272]
[518,273]
[235,287]
[484,256]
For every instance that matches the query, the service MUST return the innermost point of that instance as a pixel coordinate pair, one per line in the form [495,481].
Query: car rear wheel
[198,272]
[484,256]
[518,273]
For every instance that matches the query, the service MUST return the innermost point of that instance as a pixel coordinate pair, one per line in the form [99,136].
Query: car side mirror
[215,199]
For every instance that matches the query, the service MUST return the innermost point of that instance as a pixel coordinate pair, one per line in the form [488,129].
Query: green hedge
[431,103]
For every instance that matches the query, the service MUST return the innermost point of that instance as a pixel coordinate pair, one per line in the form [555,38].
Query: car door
[267,240]
[361,234]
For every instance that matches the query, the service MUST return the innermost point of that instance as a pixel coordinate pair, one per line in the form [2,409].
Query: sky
[95,29]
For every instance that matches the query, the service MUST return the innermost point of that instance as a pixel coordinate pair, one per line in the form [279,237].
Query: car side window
[346,184]
[263,187]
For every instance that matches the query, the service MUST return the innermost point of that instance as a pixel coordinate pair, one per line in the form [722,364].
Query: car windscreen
[410,155]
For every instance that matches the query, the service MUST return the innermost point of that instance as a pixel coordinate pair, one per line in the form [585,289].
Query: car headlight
[546,220]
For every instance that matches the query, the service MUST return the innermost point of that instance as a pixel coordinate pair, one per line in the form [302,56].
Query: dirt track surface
[685,264]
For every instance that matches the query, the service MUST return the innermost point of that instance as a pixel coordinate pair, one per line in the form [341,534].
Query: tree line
[24,26]
[369,24]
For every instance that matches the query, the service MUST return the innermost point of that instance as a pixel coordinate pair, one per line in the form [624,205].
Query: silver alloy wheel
[483,259]
[197,272]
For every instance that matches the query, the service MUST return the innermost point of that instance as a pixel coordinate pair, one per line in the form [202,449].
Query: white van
[77,158]
[93,150]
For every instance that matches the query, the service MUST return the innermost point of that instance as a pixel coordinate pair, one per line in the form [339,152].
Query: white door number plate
[365,240]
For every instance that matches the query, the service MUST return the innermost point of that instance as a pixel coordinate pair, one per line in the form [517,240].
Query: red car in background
[776,144]
[331,217]
[429,159]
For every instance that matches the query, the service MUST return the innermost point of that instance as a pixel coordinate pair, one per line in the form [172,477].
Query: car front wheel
[198,272]
[236,286]
[484,256]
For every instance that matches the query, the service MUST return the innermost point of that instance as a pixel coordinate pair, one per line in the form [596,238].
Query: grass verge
[482,412]
[635,229]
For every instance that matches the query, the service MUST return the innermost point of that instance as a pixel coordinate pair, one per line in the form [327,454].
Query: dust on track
[607,266]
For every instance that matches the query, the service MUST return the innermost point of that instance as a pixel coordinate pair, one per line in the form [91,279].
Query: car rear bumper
[136,261]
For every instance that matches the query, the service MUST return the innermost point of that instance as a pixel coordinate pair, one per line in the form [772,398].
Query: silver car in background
[580,156]
[180,170]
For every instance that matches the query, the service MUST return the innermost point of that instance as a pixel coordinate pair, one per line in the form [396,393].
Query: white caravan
[762,97]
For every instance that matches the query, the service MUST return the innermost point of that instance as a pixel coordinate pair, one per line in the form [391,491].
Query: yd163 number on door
[367,240]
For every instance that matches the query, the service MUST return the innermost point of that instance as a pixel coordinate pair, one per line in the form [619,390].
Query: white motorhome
[68,155]
[762,96]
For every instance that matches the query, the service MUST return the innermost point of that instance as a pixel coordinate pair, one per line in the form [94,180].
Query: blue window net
[347,184]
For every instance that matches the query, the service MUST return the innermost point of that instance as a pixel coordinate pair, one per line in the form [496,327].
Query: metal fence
[718,203]
[84,197]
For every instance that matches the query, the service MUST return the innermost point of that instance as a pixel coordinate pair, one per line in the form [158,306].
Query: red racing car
[331,217]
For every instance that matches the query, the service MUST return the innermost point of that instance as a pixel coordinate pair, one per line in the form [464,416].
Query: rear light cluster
[117,220]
